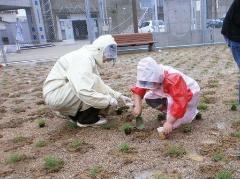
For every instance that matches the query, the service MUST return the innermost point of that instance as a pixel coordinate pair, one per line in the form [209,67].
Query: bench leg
[150,47]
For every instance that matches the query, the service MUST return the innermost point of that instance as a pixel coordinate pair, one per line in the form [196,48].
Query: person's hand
[127,101]
[113,102]
[137,111]
[168,127]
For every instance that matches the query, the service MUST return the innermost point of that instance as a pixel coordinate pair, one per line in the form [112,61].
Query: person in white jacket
[74,86]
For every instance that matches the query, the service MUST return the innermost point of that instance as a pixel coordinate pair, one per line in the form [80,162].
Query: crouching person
[167,90]
[74,86]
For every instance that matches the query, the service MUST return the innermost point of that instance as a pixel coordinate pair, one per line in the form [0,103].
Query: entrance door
[80,29]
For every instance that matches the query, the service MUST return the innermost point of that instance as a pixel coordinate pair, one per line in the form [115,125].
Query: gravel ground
[21,107]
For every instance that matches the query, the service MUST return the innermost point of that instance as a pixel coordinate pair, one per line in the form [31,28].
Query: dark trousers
[89,116]
[159,103]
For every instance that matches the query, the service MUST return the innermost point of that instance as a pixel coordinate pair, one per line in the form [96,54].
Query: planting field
[38,143]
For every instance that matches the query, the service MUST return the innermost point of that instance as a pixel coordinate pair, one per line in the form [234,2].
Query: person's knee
[52,102]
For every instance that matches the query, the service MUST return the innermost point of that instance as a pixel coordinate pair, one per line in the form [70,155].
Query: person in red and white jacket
[167,90]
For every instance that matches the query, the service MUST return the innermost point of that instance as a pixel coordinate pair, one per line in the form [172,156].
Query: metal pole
[156,25]
[204,18]
[156,9]
[88,16]
[3,52]
[135,19]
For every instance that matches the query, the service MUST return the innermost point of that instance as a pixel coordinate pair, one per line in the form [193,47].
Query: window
[145,24]
[41,29]
[196,15]
[42,36]
[36,3]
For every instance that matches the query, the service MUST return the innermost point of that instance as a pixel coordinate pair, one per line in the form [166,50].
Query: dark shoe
[100,122]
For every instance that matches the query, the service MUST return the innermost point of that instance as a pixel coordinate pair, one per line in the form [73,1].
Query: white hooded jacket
[74,82]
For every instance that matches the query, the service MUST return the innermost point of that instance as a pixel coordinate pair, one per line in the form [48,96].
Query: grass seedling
[224,174]
[19,139]
[108,126]
[175,151]
[218,157]
[124,147]
[14,158]
[94,171]
[187,128]
[41,123]
[40,143]
[53,164]
[127,128]
[139,123]
[236,134]
[75,145]
[72,125]
[234,107]
[202,106]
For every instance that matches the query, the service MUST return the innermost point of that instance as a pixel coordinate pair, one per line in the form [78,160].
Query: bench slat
[134,39]
[137,43]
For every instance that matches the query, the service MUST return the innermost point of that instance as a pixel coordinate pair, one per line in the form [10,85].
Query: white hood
[98,46]
[148,70]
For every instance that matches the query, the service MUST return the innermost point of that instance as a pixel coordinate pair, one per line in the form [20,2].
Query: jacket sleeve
[139,91]
[86,84]
[113,93]
[176,87]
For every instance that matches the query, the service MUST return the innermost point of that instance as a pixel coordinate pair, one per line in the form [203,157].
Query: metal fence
[172,22]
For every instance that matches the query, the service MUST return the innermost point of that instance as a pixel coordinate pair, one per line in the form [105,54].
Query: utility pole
[135,18]
[91,36]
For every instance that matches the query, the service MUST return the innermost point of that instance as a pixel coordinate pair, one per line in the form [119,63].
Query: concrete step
[27,47]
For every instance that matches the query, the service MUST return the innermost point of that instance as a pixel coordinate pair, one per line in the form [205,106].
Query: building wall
[8,16]
[10,32]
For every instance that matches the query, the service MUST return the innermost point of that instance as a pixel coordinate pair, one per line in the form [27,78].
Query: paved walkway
[44,54]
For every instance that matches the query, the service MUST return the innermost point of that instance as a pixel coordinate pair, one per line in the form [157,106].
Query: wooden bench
[135,39]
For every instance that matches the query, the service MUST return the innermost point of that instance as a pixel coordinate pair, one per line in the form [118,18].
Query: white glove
[127,101]
[113,102]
